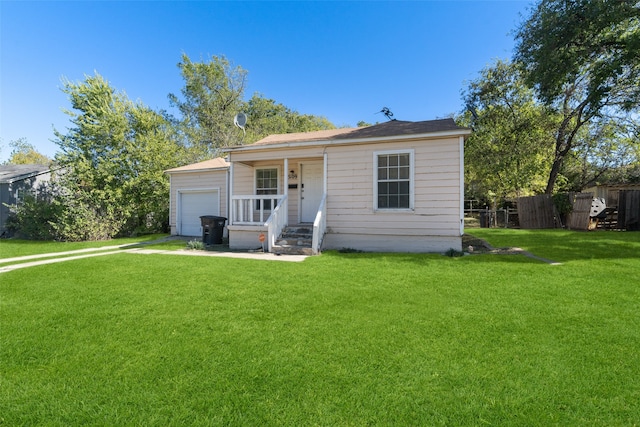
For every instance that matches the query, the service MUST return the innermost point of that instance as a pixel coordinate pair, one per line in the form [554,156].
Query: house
[395,187]
[15,182]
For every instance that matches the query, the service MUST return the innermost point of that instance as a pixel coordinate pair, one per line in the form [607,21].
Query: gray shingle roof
[12,173]
[387,129]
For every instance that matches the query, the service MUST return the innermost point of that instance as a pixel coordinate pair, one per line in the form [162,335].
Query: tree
[113,160]
[509,151]
[268,117]
[583,59]
[23,153]
[213,94]
[608,147]
[211,97]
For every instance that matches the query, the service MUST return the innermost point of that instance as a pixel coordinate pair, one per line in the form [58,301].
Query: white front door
[312,186]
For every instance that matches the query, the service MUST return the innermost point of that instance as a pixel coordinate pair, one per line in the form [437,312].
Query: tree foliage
[608,151]
[268,117]
[113,160]
[213,93]
[583,58]
[211,96]
[24,153]
[509,152]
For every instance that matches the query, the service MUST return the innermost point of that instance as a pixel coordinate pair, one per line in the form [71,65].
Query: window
[394,180]
[266,183]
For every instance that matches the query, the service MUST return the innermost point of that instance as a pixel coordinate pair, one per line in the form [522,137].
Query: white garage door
[192,205]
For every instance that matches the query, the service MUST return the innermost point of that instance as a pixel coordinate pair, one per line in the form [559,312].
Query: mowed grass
[340,339]
[10,248]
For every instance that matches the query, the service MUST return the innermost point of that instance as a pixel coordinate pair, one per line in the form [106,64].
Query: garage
[192,205]
[197,189]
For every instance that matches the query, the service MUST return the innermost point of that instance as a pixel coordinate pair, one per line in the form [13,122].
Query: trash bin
[485,219]
[212,229]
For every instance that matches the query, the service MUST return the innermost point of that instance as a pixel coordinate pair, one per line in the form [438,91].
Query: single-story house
[15,182]
[396,187]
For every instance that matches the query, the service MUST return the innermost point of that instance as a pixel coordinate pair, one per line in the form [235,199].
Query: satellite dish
[240,120]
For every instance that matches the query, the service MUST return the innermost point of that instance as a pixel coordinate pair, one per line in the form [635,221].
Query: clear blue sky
[344,60]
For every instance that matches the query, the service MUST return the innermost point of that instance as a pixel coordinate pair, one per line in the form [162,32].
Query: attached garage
[196,190]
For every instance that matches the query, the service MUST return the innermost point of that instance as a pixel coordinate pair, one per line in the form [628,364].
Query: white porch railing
[277,221]
[245,210]
[319,225]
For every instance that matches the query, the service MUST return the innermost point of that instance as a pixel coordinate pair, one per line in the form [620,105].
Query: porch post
[230,191]
[286,190]
[324,173]
[286,177]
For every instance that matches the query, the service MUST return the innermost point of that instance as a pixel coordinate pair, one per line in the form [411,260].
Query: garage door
[192,205]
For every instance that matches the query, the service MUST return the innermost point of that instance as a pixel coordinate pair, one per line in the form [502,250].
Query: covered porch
[267,195]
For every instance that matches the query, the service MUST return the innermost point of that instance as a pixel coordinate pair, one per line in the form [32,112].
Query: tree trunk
[553,175]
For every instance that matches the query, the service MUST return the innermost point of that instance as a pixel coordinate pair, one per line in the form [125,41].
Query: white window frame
[411,154]
[255,180]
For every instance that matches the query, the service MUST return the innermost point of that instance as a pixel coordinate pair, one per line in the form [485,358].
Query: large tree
[211,97]
[583,58]
[213,94]
[113,160]
[509,151]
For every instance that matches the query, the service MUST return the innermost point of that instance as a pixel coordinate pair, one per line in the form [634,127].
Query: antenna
[240,120]
[387,113]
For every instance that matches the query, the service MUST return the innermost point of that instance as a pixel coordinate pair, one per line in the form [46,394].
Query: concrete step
[296,239]
[292,249]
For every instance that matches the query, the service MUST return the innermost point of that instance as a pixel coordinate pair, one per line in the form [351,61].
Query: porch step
[295,240]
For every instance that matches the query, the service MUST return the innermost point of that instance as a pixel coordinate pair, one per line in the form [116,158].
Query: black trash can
[212,229]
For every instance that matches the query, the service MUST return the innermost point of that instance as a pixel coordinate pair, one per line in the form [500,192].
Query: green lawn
[340,339]
[10,248]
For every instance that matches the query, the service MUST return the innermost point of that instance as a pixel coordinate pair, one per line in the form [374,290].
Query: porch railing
[254,209]
[319,225]
[277,221]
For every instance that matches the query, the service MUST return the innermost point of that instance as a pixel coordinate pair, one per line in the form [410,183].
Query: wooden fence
[579,217]
[629,210]
[536,212]
[540,212]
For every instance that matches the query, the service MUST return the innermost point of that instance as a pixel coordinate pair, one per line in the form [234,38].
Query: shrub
[195,244]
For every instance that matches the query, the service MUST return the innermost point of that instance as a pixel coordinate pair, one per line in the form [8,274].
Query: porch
[278,205]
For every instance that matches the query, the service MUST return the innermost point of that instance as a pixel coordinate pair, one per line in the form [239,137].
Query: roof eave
[171,171]
[24,176]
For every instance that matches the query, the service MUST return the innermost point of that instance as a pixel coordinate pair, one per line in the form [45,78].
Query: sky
[344,60]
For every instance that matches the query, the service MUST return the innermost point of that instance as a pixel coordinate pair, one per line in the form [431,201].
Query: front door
[311,190]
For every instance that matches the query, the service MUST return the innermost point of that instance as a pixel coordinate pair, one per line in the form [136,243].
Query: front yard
[340,339]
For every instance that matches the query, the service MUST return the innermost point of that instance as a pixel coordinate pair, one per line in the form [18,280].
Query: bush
[34,218]
[78,221]
[195,244]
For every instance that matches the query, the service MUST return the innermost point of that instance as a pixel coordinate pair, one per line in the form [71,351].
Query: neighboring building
[15,182]
[610,192]
[395,186]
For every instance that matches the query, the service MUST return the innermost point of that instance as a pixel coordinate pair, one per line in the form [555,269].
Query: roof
[13,173]
[211,164]
[382,130]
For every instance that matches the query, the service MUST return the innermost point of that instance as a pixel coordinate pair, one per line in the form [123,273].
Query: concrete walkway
[55,257]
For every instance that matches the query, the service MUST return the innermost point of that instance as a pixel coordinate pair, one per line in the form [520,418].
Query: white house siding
[193,181]
[432,226]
